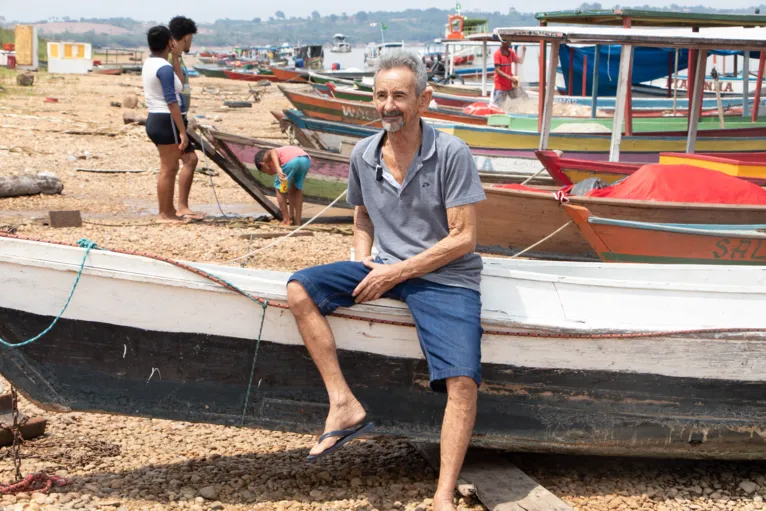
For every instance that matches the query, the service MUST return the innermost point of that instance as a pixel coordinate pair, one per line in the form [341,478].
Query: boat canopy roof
[647,18]
[711,38]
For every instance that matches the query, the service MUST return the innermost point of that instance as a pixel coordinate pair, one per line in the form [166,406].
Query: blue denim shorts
[296,170]
[447,318]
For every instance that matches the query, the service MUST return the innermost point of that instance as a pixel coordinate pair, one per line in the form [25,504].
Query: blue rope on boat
[88,246]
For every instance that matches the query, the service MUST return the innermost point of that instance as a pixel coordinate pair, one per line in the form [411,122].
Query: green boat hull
[210,72]
[640,124]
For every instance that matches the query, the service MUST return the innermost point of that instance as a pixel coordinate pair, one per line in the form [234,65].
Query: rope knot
[86,243]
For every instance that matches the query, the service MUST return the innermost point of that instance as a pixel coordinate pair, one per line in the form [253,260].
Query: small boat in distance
[373,52]
[340,44]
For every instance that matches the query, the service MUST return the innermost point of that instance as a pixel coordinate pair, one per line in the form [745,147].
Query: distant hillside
[411,25]
[75,27]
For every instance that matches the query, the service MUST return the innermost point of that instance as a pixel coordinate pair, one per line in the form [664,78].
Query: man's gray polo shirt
[411,218]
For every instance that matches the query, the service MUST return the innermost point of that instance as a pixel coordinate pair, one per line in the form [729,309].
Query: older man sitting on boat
[414,189]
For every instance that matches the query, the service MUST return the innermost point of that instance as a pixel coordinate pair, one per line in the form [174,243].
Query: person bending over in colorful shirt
[289,164]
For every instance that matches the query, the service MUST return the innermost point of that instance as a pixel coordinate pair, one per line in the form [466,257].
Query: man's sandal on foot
[345,436]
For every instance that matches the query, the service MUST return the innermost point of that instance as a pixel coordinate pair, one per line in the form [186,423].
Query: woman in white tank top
[166,124]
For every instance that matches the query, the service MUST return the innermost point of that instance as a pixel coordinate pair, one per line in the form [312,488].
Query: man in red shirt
[505,82]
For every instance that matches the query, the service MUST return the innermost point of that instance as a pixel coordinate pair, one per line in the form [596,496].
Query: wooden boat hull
[289,75]
[646,242]
[211,71]
[640,124]
[494,166]
[328,176]
[750,166]
[362,113]
[643,147]
[566,171]
[249,77]
[512,220]
[201,360]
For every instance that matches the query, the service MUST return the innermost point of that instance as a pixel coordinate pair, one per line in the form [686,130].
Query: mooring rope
[88,246]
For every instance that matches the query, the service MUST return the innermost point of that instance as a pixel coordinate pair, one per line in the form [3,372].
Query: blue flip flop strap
[339,433]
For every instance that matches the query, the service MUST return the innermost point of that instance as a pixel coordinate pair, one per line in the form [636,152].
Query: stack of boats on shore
[585,350]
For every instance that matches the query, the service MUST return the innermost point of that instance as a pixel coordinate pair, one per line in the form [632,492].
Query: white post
[484,68]
[696,99]
[746,84]
[550,90]
[626,62]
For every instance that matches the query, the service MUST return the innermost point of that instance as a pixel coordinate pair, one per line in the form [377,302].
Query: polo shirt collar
[427,146]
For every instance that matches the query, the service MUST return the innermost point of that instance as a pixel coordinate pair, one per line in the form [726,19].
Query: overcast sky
[33,10]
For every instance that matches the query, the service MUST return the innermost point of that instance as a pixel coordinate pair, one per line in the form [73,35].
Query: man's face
[187,42]
[396,100]
[506,45]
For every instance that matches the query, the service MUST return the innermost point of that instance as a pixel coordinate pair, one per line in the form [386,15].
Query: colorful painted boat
[249,76]
[148,338]
[284,74]
[458,90]
[643,124]
[108,70]
[319,78]
[640,147]
[341,137]
[650,242]
[748,166]
[356,112]
[211,71]
[535,215]
[328,176]
[566,171]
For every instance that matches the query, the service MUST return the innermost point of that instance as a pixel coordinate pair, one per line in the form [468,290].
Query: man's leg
[448,320]
[345,410]
[457,427]
[185,180]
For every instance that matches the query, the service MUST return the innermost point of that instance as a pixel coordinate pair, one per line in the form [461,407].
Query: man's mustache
[393,113]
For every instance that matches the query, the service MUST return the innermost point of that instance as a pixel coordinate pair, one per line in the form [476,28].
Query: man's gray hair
[403,58]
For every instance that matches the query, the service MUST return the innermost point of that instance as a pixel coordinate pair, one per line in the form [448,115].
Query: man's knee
[462,389]
[298,299]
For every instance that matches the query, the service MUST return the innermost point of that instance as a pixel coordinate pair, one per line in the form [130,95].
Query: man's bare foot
[285,223]
[444,503]
[188,213]
[344,416]
[168,219]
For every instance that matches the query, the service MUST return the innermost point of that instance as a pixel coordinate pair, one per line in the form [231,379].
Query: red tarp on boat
[683,183]
[480,108]
[673,183]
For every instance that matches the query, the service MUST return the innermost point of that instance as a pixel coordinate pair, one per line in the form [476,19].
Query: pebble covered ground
[143,464]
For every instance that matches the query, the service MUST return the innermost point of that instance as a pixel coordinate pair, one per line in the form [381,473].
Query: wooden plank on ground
[64,218]
[500,485]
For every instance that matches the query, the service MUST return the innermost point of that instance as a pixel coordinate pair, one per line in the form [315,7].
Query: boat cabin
[340,44]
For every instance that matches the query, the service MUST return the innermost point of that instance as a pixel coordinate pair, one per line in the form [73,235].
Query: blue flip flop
[346,435]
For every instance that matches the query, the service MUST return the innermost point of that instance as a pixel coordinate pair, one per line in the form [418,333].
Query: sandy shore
[161,465]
